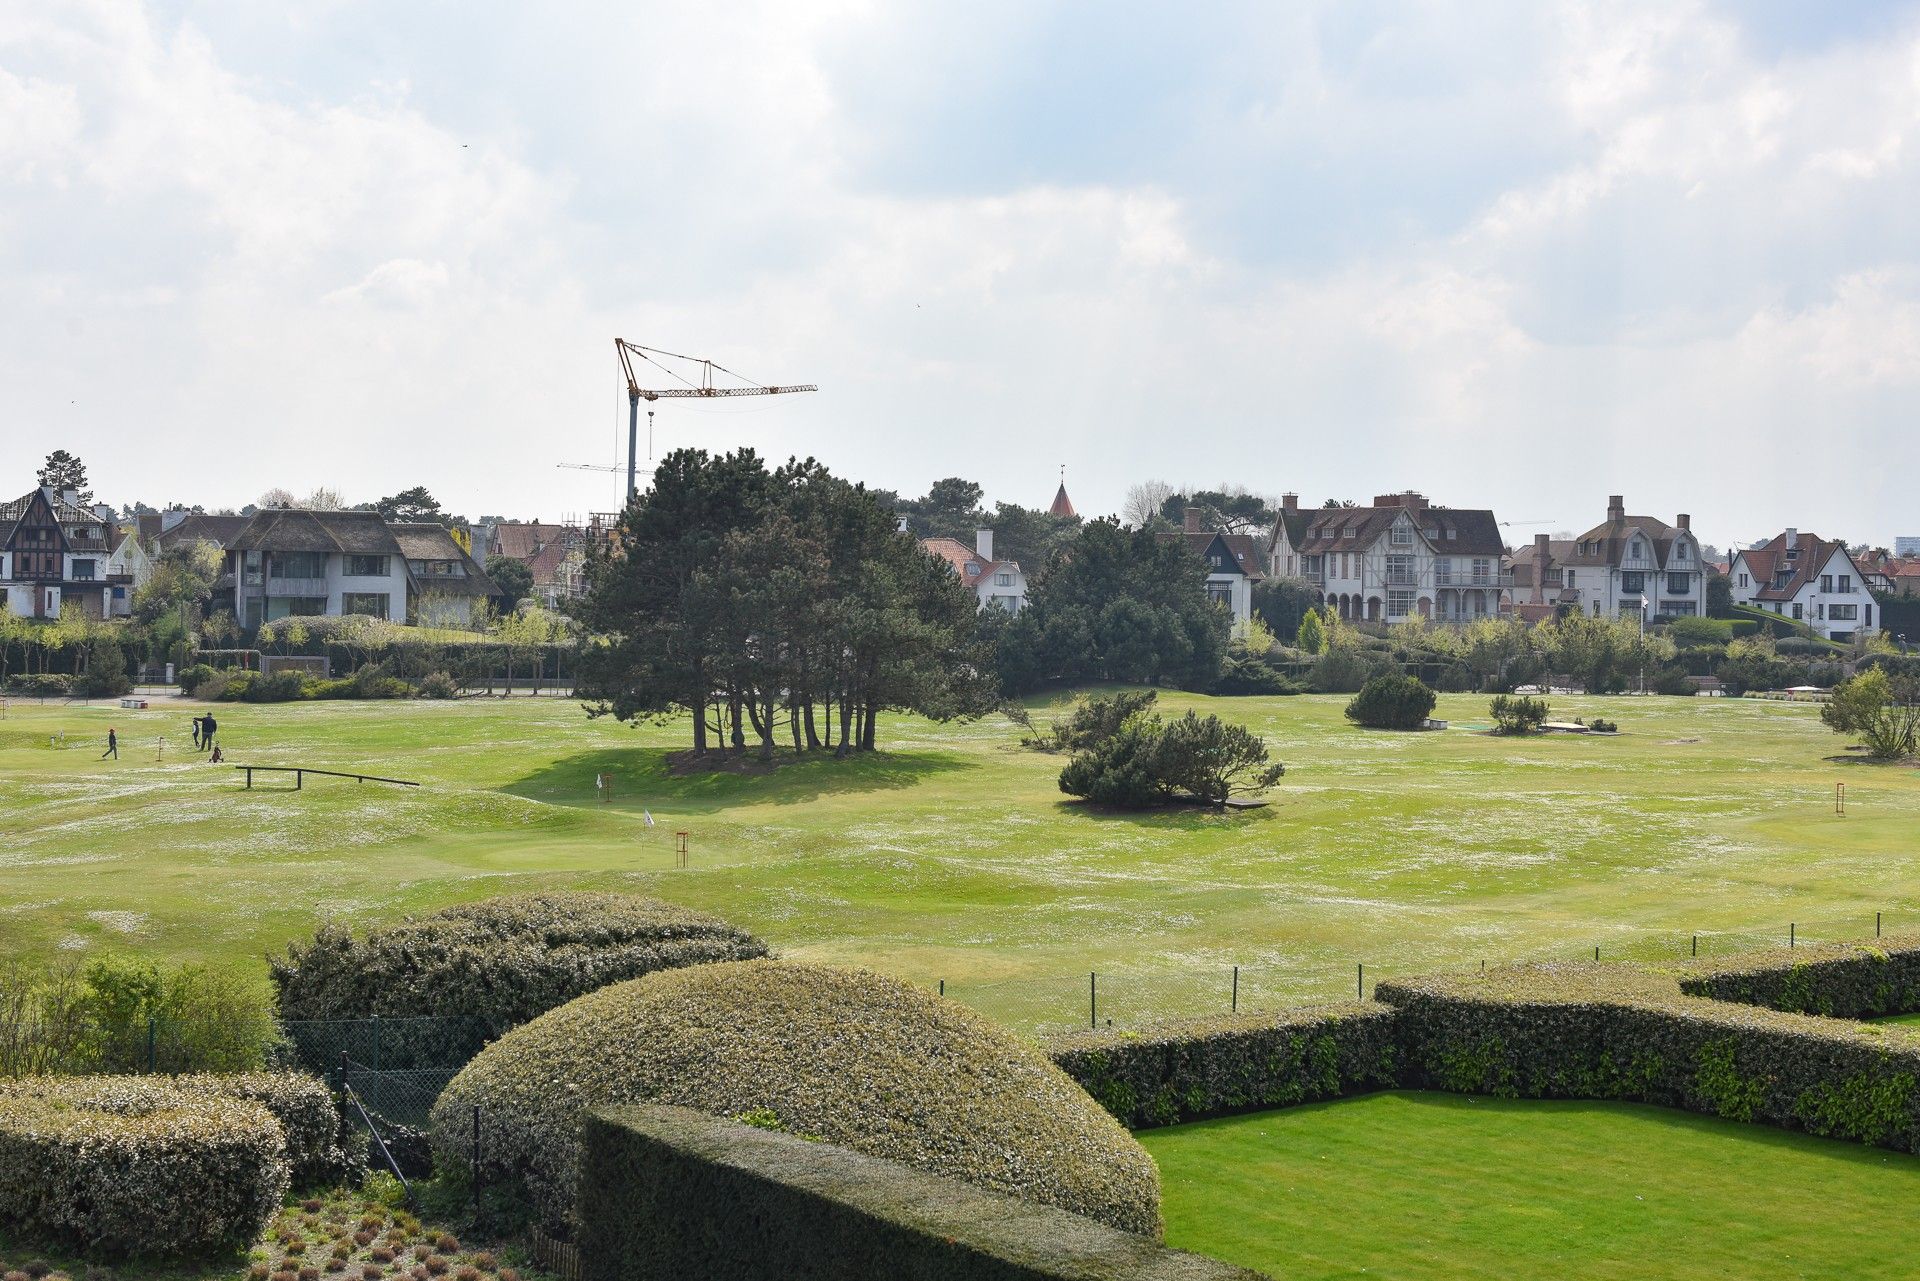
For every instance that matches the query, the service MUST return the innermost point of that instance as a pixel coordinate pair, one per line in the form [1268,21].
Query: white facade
[1403,558]
[1001,584]
[1827,592]
[271,585]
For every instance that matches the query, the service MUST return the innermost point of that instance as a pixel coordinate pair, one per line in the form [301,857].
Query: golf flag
[649,814]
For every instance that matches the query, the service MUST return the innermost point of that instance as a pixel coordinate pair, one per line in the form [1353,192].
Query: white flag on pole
[649,814]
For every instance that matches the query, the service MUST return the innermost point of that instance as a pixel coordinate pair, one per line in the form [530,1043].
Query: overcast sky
[1515,255]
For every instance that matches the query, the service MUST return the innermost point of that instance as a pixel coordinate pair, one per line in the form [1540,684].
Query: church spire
[1062,505]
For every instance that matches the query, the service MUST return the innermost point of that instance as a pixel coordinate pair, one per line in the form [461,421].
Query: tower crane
[703,389]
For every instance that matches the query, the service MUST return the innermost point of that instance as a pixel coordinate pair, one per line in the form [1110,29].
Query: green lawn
[951,855]
[1409,1185]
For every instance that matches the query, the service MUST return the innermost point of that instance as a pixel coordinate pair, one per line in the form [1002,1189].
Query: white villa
[1805,578]
[1400,558]
[1629,565]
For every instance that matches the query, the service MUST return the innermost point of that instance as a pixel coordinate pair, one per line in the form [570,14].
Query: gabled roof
[523,540]
[427,540]
[1608,541]
[1769,559]
[198,527]
[1242,551]
[357,533]
[1474,530]
[66,513]
[958,555]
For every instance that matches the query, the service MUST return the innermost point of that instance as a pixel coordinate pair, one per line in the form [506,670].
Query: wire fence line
[1139,995]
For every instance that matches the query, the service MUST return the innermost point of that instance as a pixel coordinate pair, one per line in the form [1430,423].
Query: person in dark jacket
[113,745]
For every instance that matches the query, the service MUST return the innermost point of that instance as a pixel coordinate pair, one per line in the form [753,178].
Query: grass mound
[133,1165]
[501,961]
[845,1056]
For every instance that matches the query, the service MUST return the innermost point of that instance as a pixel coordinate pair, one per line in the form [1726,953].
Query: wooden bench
[300,772]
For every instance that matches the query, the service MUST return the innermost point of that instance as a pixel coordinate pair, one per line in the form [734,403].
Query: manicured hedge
[1210,1067]
[670,1193]
[847,1056]
[1842,980]
[499,962]
[319,1150]
[142,1165]
[1615,1032]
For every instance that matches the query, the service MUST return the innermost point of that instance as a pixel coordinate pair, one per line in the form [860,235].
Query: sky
[1514,255]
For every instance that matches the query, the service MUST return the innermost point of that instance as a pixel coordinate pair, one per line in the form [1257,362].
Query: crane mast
[701,390]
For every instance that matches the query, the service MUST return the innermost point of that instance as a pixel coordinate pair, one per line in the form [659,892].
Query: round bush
[500,962]
[1391,702]
[845,1056]
[137,1165]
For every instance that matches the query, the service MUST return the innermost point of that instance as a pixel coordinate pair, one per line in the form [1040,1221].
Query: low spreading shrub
[137,1164]
[190,678]
[1187,1070]
[1093,721]
[1517,714]
[1245,673]
[1601,725]
[499,962]
[439,685]
[1392,702]
[1150,761]
[1671,681]
[849,1057]
[1587,1030]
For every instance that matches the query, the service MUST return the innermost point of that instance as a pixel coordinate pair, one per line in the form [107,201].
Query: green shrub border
[671,1193]
[1586,1030]
[1199,1068]
[1840,980]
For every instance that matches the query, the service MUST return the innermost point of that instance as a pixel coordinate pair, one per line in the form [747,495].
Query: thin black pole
[1876,925]
[1236,989]
[1596,953]
[1093,999]
[1360,980]
[1696,945]
[1790,935]
[943,987]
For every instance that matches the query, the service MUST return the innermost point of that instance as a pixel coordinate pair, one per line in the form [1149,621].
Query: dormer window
[1402,536]
[1639,549]
[973,567]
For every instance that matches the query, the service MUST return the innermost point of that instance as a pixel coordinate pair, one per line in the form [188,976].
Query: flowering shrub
[846,1056]
[137,1164]
[500,962]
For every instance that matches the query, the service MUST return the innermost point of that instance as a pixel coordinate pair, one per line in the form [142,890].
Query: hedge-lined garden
[1840,980]
[846,1056]
[1210,1067]
[1586,1030]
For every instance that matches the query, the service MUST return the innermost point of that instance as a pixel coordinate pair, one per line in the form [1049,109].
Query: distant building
[289,562]
[556,555]
[1804,577]
[53,553]
[1627,566]
[1403,557]
[999,583]
[1062,505]
[1235,562]
[1907,545]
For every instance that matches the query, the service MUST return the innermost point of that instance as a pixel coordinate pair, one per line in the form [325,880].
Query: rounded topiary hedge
[845,1056]
[142,1165]
[499,962]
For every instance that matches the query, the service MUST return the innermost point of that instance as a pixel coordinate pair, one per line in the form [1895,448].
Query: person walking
[208,728]
[113,745]
[196,733]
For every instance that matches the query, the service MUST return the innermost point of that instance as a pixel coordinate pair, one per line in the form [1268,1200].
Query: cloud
[1518,255]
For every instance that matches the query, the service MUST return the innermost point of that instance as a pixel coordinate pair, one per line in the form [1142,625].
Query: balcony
[278,586]
[1403,578]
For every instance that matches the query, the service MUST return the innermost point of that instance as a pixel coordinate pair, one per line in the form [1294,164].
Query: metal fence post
[1360,980]
[1236,989]
[1790,935]
[1093,999]
[1876,925]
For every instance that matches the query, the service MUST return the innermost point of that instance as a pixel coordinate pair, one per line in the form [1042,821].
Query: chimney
[1616,509]
[1540,558]
[71,497]
[1193,520]
[1793,537]
[1684,521]
[983,543]
[901,525]
[1289,502]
